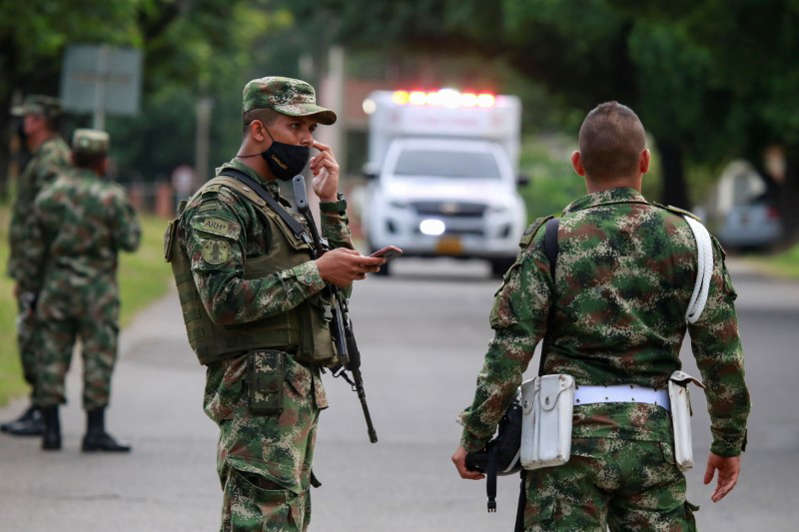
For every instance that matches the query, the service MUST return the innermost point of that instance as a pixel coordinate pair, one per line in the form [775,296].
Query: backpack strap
[491,480]
[519,526]
[551,243]
[551,251]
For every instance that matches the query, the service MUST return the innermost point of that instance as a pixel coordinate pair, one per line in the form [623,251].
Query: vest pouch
[266,372]
[681,418]
[169,238]
[316,341]
[547,407]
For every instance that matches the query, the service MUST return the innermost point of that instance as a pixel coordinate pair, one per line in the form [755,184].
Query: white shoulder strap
[704,270]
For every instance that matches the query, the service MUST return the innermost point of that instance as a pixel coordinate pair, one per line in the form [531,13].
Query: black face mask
[285,160]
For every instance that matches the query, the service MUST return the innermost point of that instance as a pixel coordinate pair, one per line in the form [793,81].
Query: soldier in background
[624,276]
[49,156]
[69,264]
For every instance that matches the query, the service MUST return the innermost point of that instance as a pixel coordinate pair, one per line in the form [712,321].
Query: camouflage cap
[90,142]
[291,97]
[38,104]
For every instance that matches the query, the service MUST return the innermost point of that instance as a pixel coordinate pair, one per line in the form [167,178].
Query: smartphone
[388,252]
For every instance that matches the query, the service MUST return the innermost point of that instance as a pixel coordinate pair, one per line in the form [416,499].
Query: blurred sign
[100,79]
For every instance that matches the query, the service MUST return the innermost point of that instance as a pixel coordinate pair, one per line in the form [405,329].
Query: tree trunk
[788,196]
[673,174]
[4,160]
[8,71]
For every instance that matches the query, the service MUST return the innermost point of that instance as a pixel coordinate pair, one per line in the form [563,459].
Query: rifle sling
[551,251]
[296,228]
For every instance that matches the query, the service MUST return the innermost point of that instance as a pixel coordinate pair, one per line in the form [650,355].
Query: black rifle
[341,325]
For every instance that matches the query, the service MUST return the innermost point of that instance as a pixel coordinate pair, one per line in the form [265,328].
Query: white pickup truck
[443,170]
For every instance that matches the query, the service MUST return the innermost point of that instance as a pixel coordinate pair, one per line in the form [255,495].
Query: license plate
[449,245]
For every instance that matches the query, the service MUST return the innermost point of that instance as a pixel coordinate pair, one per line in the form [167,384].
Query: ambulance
[443,175]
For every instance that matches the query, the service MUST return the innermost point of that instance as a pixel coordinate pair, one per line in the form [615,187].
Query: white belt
[621,393]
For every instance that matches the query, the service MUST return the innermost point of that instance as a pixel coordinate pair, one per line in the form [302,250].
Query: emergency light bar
[444,98]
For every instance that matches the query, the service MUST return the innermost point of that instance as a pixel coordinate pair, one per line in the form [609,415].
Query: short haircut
[611,141]
[87,160]
[265,115]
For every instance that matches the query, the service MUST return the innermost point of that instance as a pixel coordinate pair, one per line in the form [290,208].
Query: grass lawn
[143,277]
[785,264]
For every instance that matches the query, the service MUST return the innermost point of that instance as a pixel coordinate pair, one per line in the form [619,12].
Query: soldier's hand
[459,459]
[341,266]
[325,169]
[728,468]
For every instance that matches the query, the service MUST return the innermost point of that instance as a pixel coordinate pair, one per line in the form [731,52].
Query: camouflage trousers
[615,483]
[68,310]
[26,337]
[267,408]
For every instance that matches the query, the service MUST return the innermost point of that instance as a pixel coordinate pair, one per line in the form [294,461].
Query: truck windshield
[456,164]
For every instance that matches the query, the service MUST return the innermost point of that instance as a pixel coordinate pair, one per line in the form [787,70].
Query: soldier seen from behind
[78,226]
[256,307]
[40,117]
[614,317]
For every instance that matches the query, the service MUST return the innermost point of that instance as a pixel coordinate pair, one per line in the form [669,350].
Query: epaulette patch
[677,210]
[532,229]
[216,226]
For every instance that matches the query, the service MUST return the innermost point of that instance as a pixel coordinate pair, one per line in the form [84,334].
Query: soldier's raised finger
[321,147]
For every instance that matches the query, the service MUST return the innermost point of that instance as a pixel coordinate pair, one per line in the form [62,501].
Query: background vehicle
[755,224]
[741,211]
[444,174]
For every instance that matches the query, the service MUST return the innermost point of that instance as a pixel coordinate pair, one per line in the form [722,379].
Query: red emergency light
[444,98]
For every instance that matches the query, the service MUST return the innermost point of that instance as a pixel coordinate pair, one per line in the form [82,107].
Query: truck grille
[455,209]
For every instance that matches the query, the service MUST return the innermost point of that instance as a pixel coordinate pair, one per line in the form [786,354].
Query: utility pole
[99,91]
[202,140]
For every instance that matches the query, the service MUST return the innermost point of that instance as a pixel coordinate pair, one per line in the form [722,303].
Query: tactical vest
[303,331]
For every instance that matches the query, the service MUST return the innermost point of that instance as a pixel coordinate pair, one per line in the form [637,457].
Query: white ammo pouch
[681,418]
[547,406]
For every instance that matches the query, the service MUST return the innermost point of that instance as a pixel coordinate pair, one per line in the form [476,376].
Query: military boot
[51,439]
[30,423]
[96,438]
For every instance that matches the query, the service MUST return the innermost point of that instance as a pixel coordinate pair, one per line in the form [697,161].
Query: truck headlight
[432,227]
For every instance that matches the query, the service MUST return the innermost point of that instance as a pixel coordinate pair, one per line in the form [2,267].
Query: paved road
[423,335]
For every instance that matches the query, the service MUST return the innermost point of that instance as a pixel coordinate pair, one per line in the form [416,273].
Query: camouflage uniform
[263,460]
[624,276]
[78,224]
[45,163]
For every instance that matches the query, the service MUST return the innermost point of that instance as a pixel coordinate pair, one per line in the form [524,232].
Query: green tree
[191,49]
[32,38]
[750,49]
[671,63]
